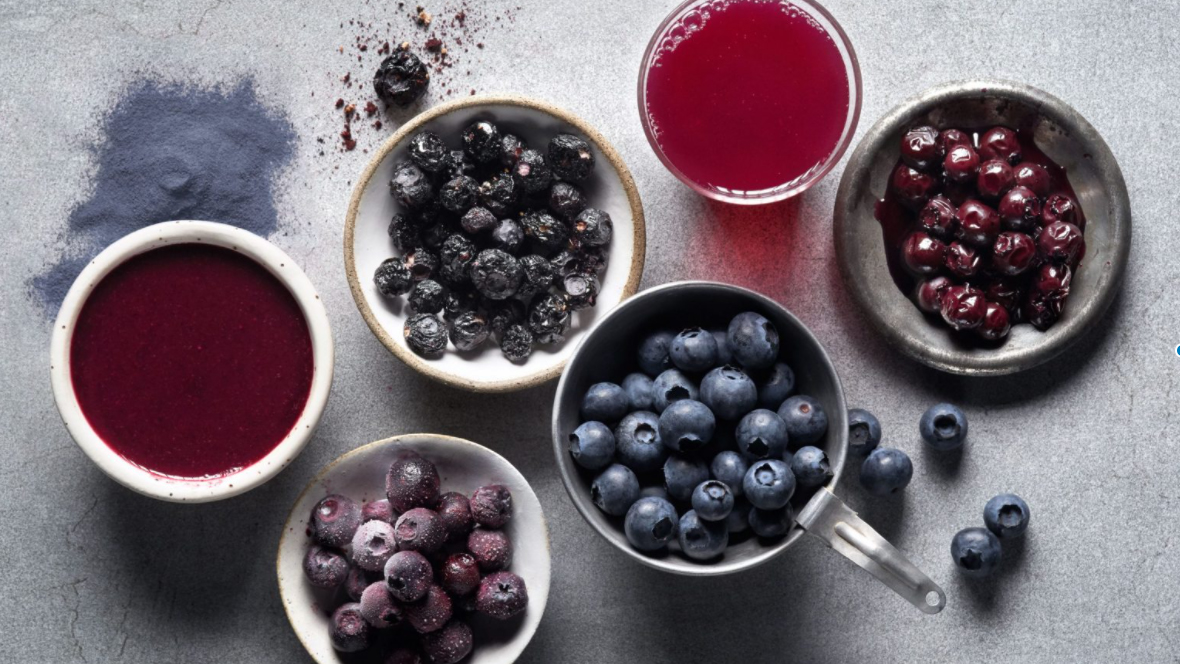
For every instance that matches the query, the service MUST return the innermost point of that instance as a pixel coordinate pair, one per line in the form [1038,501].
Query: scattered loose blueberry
[686,425]
[491,505]
[1006,515]
[730,467]
[431,612]
[693,350]
[770,524]
[491,549]
[412,482]
[886,471]
[810,466]
[348,630]
[639,388]
[650,524]
[728,392]
[943,426]
[408,575]
[701,539]
[776,386]
[419,529]
[864,431]
[976,552]
[372,545]
[605,402]
[672,385]
[615,489]
[378,607]
[324,568]
[762,434]
[637,441]
[806,419]
[592,445]
[768,484]
[502,595]
[401,78]
[334,521]
[712,500]
[753,341]
[682,475]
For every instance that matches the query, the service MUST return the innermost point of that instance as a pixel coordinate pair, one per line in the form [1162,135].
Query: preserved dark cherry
[401,78]
[531,172]
[545,231]
[425,334]
[478,219]
[1007,292]
[499,194]
[570,157]
[996,323]
[410,185]
[978,224]
[921,149]
[1061,241]
[961,164]
[508,235]
[962,261]
[949,139]
[940,218]
[995,179]
[538,276]
[469,330]
[566,200]
[1020,209]
[428,297]
[1000,143]
[422,263]
[1033,176]
[1052,283]
[516,342]
[593,227]
[511,147]
[1013,253]
[581,290]
[549,318]
[458,194]
[428,151]
[481,140]
[1059,207]
[923,254]
[913,188]
[929,294]
[963,307]
[393,278]
[496,274]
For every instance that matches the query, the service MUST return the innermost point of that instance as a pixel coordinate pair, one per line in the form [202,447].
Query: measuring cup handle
[829,519]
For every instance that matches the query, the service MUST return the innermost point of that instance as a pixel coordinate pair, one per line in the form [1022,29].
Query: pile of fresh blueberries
[886,470]
[707,440]
[401,572]
[976,551]
[497,240]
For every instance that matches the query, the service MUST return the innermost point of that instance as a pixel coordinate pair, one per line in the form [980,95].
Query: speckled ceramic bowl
[463,466]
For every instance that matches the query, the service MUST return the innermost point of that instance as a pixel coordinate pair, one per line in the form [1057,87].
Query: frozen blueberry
[454,511]
[508,236]
[431,612]
[412,482]
[502,595]
[372,545]
[427,297]
[481,140]
[976,552]
[686,425]
[511,147]
[776,386]
[491,548]
[469,331]
[693,350]
[566,200]
[334,521]
[516,342]
[491,505]
[712,500]
[378,607]
[650,524]
[864,431]
[410,185]
[570,157]
[615,489]
[605,402]
[943,426]
[769,524]
[460,574]
[728,392]
[638,443]
[682,475]
[886,471]
[639,391]
[408,575]
[404,655]
[753,340]
[549,318]
[324,568]
[730,467]
[496,274]
[428,151]
[419,529]
[738,520]
[701,539]
[592,445]
[425,334]
[653,353]
[393,278]
[768,484]
[448,645]
[401,78]
[670,386]
[762,434]
[810,466]
[531,172]
[1006,515]
[348,630]
[593,227]
[724,357]
[806,420]
[356,582]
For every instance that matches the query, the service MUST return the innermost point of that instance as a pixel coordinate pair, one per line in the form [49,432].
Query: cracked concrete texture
[93,573]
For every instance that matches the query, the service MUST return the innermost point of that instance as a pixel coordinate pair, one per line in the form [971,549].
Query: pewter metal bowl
[1062,134]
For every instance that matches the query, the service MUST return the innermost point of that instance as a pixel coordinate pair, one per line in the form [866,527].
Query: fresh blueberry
[806,419]
[769,484]
[669,386]
[682,475]
[762,434]
[1006,515]
[324,568]
[943,426]
[769,524]
[738,520]
[654,491]
[592,445]
[788,457]
[408,575]
[653,353]
[864,431]
[639,391]
[615,490]
[348,630]
[776,386]
[712,500]
[491,505]
[637,441]
[976,552]
[693,350]
[605,402]
[886,471]
[810,466]
[372,545]
[650,524]
[701,539]
[686,425]
[491,549]
[753,340]
[723,355]
[728,392]
[730,467]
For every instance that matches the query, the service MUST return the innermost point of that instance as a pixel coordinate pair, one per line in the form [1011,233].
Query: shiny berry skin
[913,188]
[701,539]
[976,552]
[962,261]
[886,471]
[920,148]
[864,431]
[531,172]
[401,78]
[393,278]
[491,505]
[1052,282]
[450,644]
[923,254]
[963,307]
[428,151]
[1000,143]
[501,595]
[1042,314]
[1059,207]
[324,567]
[481,140]
[431,612]
[1006,515]
[939,218]
[1008,293]
[961,164]
[511,146]
[412,482]
[949,139]
[348,630]
[334,521]
[1013,253]
[650,523]
[978,224]
[1020,209]
[460,574]
[408,576]
[995,179]
[491,549]
[1035,177]
[1061,241]
[929,294]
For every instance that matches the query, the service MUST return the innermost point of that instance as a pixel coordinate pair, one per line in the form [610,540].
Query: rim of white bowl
[164,487]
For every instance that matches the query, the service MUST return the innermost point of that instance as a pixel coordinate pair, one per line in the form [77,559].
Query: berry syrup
[747,96]
[191,361]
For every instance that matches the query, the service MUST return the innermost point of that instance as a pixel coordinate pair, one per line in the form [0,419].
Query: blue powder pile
[175,152]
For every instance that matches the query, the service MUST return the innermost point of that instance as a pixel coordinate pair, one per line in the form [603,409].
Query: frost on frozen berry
[429,613]
[372,545]
[324,567]
[420,529]
[348,630]
[502,595]
[408,576]
[460,574]
[454,511]
[491,505]
[334,520]
[378,607]
[412,481]
[401,78]
[448,645]
[491,549]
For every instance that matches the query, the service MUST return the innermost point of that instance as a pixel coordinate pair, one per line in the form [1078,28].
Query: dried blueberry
[531,172]
[401,78]
[348,630]
[469,331]
[458,302]
[549,319]
[404,234]
[511,147]
[412,481]
[434,235]
[565,262]
[478,219]
[498,194]
[593,227]
[334,520]
[547,233]
[458,163]
[516,342]
[431,612]
[566,200]
[570,157]
[425,334]
[408,575]
[456,254]
[458,194]
[496,274]
[508,235]
[581,290]
[422,263]
[538,276]
[450,644]
[324,567]
[410,185]
[481,140]
[491,549]
[428,151]
[393,278]
[427,297]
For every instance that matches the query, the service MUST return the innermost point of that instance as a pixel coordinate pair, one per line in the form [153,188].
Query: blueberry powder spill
[171,151]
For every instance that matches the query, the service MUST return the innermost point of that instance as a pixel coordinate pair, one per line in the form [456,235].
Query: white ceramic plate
[463,466]
[367,243]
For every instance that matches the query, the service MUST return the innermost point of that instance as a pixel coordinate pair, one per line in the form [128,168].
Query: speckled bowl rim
[278,264]
[410,128]
[393,440]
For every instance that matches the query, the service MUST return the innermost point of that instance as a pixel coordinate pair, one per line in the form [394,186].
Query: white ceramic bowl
[463,466]
[174,489]
[367,243]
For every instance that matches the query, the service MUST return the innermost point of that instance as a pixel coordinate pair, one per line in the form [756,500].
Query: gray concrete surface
[92,573]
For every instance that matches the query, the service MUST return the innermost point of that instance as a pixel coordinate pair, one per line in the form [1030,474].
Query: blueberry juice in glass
[749,101]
